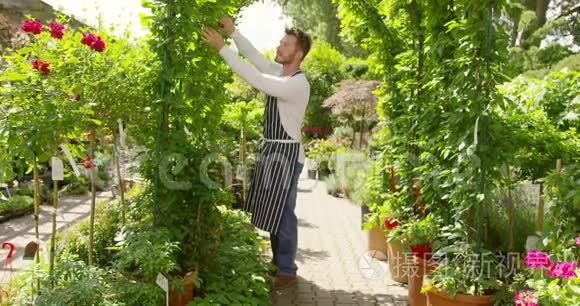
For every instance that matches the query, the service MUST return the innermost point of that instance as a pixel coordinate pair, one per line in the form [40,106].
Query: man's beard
[283,60]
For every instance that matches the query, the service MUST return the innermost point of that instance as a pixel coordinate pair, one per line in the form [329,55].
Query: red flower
[93,41]
[89,39]
[422,250]
[88,162]
[56,30]
[32,26]
[41,65]
[391,223]
[99,45]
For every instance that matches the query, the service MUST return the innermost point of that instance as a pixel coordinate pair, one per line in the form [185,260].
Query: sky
[262,23]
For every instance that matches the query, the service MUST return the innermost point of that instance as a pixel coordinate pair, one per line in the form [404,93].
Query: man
[273,188]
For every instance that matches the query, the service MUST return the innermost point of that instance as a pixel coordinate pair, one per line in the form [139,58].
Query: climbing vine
[189,102]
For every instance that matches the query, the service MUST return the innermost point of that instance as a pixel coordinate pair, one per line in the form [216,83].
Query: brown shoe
[281,281]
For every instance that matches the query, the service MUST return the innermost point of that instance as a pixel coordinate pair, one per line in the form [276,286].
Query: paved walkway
[21,231]
[332,266]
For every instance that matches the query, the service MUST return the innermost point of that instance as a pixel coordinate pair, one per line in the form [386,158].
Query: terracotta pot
[418,268]
[377,240]
[397,262]
[185,296]
[439,298]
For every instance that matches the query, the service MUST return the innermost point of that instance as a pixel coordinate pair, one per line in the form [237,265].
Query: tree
[320,19]
[531,18]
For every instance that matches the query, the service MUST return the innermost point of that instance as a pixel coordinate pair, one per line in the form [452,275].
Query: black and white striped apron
[271,182]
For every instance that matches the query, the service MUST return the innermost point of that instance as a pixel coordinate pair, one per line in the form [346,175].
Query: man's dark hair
[303,40]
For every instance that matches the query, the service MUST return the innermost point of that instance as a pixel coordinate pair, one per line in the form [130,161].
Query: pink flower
[537,260]
[32,26]
[42,66]
[577,240]
[94,42]
[563,270]
[56,30]
[526,298]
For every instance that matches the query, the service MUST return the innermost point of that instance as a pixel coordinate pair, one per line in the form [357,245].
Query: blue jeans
[285,242]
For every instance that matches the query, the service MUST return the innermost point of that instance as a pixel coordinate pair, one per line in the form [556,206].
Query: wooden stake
[511,210]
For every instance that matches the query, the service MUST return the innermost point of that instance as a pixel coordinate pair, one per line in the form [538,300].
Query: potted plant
[396,215]
[323,170]
[395,252]
[465,275]
[312,167]
[374,225]
[419,237]
[320,151]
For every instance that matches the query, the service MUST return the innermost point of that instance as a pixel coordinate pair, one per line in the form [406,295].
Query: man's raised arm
[280,87]
[248,50]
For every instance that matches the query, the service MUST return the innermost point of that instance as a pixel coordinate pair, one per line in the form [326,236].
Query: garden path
[333,263]
[20,231]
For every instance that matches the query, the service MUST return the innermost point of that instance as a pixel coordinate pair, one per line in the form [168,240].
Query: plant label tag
[57,169]
[162,282]
[71,160]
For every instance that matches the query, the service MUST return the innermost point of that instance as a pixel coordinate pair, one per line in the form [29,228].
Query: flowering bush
[547,282]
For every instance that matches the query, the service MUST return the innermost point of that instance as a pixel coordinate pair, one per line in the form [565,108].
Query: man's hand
[227,24]
[213,38]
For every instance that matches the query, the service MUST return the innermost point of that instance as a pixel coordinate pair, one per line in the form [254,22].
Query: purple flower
[526,298]
[577,240]
[537,260]
[563,269]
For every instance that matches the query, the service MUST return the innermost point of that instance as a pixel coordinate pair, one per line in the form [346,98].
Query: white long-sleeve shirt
[293,93]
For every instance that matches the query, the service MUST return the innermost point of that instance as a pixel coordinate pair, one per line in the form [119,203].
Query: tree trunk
[541,9]
[540,211]
[514,33]
[116,152]
[93,201]
[36,216]
[511,210]
[243,163]
[53,238]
